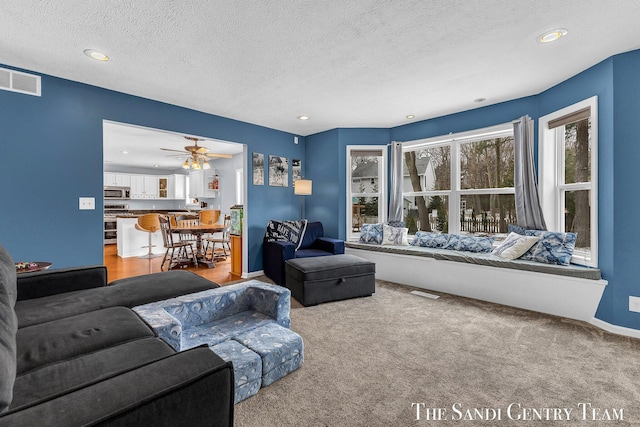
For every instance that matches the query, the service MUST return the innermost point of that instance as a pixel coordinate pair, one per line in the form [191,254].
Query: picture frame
[296,170]
[258,168]
[278,171]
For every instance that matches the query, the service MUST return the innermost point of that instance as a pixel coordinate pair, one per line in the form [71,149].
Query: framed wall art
[258,168]
[278,171]
[296,170]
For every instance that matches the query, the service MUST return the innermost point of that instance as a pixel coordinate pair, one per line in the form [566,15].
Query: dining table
[198,230]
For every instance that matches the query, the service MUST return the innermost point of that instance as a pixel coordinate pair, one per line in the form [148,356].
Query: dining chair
[185,254]
[209,216]
[186,221]
[150,224]
[223,240]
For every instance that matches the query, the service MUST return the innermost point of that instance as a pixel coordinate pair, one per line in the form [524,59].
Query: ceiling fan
[199,155]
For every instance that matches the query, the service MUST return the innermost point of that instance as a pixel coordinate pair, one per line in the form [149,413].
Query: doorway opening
[168,173]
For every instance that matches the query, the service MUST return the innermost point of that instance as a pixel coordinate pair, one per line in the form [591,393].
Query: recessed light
[97,55]
[553,35]
[124,152]
[156,166]
[478,100]
[410,116]
[303,117]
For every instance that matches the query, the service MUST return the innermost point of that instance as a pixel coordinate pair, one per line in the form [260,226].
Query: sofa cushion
[169,392]
[70,337]
[40,284]
[313,232]
[69,374]
[310,253]
[128,292]
[281,350]
[8,327]
[223,329]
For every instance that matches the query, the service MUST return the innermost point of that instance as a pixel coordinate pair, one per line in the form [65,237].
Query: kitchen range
[111,211]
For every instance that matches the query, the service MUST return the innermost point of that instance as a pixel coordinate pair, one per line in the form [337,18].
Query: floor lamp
[302,187]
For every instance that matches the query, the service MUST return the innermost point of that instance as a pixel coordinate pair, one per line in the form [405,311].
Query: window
[366,193]
[460,183]
[567,166]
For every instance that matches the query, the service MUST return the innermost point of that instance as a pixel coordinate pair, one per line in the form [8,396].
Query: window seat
[488,259]
[571,291]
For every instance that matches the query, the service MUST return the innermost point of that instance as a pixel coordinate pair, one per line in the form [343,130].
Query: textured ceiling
[344,63]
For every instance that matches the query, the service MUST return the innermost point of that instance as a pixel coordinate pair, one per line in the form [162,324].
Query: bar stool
[148,223]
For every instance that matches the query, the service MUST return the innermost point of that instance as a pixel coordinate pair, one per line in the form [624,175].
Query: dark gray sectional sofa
[73,353]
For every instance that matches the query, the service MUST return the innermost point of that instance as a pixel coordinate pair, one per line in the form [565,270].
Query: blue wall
[616,83]
[59,136]
[326,166]
[52,154]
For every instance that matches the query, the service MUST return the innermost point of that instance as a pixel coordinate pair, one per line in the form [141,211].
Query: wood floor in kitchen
[118,268]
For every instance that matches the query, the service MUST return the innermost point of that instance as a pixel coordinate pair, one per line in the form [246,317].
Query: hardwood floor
[118,268]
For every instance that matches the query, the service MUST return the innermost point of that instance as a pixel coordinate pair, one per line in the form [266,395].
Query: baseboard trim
[615,329]
[252,274]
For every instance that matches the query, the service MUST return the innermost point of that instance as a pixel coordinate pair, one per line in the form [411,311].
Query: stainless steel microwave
[116,193]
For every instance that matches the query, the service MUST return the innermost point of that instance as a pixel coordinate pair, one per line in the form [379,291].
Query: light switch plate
[634,304]
[87,203]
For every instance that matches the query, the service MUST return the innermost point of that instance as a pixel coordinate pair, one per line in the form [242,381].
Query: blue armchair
[274,254]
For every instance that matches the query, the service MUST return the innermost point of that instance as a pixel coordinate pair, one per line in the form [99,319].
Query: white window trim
[382,187]
[550,169]
[454,140]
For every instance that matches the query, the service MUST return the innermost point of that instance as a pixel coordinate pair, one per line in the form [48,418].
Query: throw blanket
[288,231]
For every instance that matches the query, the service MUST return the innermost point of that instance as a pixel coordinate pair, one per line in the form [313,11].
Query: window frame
[551,176]
[382,187]
[455,192]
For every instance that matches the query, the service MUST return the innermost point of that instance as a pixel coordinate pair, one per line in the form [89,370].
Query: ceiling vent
[16,81]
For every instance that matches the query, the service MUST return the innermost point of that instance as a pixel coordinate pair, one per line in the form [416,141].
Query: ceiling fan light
[185,165]
[206,165]
[195,166]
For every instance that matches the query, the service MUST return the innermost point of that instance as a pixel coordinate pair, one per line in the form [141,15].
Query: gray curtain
[528,210]
[395,196]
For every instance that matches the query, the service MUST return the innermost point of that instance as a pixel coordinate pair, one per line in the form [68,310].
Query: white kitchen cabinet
[112,179]
[179,186]
[171,187]
[165,187]
[150,187]
[196,184]
[199,184]
[144,187]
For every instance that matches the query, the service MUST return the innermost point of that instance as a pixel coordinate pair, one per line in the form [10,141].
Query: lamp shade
[302,187]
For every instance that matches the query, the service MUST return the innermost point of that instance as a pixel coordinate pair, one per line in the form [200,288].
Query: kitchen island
[132,242]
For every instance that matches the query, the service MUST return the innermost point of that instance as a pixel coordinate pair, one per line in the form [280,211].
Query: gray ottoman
[329,278]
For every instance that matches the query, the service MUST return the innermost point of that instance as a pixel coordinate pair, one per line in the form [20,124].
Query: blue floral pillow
[429,240]
[516,229]
[552,248]
[469,243]
[371,233]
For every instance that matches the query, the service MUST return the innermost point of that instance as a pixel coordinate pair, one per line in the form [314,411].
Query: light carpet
[367,360]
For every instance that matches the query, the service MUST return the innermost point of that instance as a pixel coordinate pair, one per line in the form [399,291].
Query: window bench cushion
[487,259]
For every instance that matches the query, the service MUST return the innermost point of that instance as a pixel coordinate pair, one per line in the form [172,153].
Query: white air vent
[16,81]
